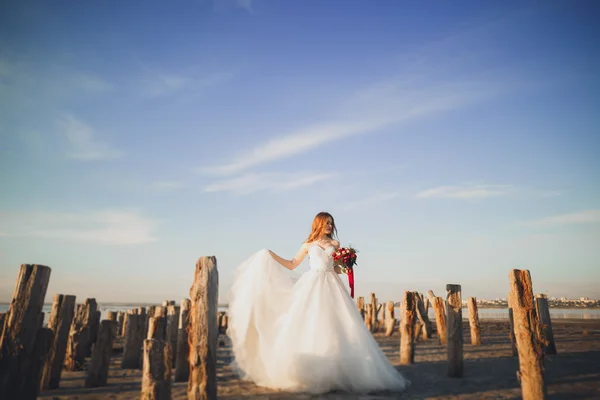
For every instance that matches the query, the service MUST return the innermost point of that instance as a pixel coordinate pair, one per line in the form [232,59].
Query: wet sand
[489,370]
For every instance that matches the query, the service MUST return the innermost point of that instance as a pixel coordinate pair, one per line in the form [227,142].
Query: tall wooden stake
[390,321]
[17,340]
[61,318]
[526,325]
[360,304]
[541,302]
[182,364]
[407,324]
[454,330]
[156,376]
[134,338]
[474,321]
[97,372]
[202,383]
[172,326]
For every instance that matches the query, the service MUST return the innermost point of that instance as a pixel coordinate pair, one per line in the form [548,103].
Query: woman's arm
[294,262]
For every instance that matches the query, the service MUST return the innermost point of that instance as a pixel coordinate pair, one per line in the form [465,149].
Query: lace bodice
[320,259]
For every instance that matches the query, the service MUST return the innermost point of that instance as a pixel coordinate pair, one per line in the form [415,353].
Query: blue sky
[451,141]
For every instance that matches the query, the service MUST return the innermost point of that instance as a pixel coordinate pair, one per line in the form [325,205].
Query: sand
[489,370]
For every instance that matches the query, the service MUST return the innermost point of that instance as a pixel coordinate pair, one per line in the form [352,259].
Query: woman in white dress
[306,336]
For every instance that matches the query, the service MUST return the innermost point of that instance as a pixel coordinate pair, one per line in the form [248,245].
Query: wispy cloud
[273,182]
[379,106]
[155,83]
[370,201]
[112,227]
[580,217]
[465,191]
[82,141]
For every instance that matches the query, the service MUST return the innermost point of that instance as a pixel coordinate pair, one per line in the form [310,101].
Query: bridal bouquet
[345,258]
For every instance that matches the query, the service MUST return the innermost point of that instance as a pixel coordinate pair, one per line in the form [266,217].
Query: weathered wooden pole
[182,364]
[511,332]
[474,321]
[531,362]
[18,338]
[80,343]
[33,375]
[407,324]
[2,319]
[203,336]
[172,326]
[440,319]
[156,328]
[94,329]
[369,316]
[422,314]
[120,320]
[360,304]
[454,330]
[156,375]
[133,341]
[390,320]
[224,324]
[112,316]
[97,371]
[541,302]
[61,318]
[374,304]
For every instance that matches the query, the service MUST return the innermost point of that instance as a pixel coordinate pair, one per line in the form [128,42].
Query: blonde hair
[318,227]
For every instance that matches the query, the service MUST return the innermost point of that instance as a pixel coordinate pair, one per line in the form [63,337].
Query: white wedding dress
[306,336]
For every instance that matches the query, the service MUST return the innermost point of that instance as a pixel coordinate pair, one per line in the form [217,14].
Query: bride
[306,336]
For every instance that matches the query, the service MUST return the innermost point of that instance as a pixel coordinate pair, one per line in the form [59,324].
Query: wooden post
[423,317]
[33,375]
[203,336]
[511,332]
[360,304]
[61,318]
[182,366]
[440,319]
[97,372]
[171,330]
[454,330]
[526,334]
[133,341]
[373,313]
[120,321]
[156,375]
[124,326]
[474,321]
[224,324]
[407,324]
[93,323]
[2,319]
[18,338]
[80,343]
[390,321]
[112,316]
[368,317]
[156,328]
[541,302]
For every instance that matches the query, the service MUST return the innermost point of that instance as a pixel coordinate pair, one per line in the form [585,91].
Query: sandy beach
[489,370]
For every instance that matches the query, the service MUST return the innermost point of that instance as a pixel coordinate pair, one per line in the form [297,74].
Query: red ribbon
[351,281]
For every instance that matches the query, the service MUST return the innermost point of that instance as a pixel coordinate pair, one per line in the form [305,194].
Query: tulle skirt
[302,336]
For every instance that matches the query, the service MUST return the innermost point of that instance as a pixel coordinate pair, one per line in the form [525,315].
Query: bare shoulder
[335,244]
